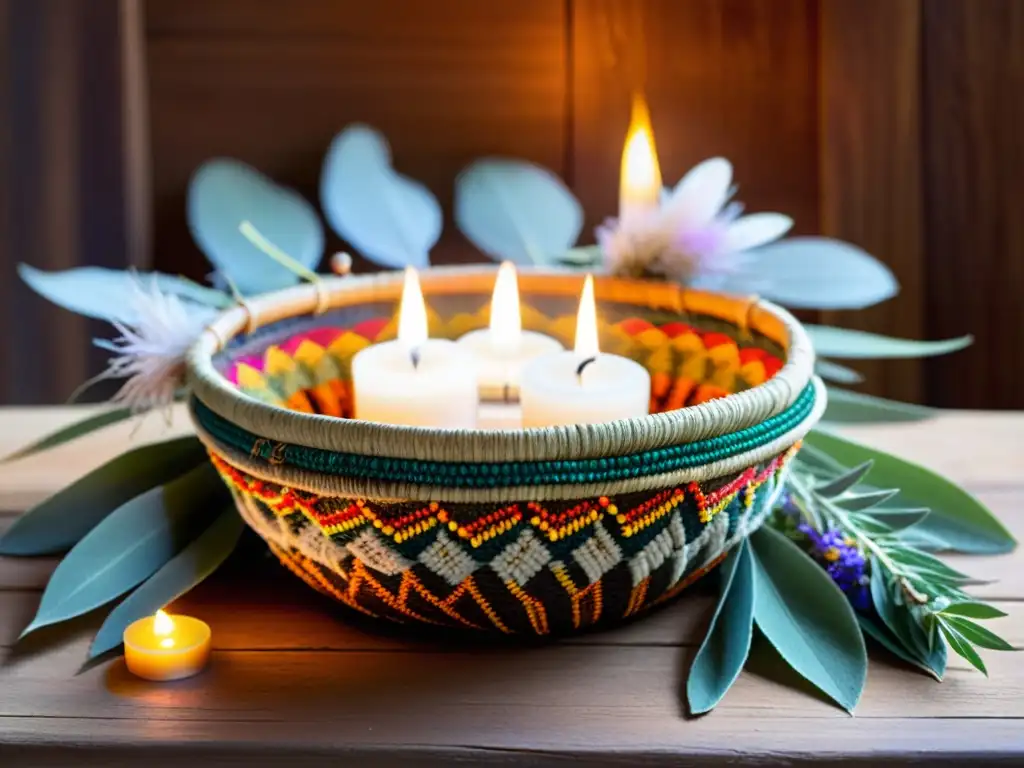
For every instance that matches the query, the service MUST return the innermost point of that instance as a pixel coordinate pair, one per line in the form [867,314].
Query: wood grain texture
[871,166]
[723,77]
[974,118]
[295,679]
[446,84]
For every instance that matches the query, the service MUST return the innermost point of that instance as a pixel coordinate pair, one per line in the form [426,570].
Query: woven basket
[538,531]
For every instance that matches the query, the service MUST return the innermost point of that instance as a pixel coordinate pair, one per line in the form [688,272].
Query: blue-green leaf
[390,218]
[58,523]
[957,516]
[581,257]
[866,500]
[129,546]
[725,648]
[962,647]
[897,618]
[935,665]
[898,519]
[807,618]
[111,294]
[819,273]
[973,610]
[72,432]
[514,210]
[179,575]
[832,371]
[839,485]
[858,345]
[221,195]
[846,407]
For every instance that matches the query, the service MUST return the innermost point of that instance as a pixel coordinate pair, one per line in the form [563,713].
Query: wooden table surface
[294,679]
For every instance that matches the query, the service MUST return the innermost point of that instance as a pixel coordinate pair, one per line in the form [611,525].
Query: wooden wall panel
[723,77]
[974,165]
[871,165]
[271,83]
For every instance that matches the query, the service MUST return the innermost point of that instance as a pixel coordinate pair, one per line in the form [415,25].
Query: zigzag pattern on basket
[527,566]
[309,371]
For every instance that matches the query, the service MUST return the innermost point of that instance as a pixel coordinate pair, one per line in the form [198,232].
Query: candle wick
[583,365]
[414,357]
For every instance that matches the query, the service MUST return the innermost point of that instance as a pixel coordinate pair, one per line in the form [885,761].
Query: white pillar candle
[502,349]
[640,176]
[583,386]
[414,380]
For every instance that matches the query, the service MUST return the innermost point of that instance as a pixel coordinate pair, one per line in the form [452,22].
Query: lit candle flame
[640,180]
[586,323]
[506,320]
[412,317]
[163,625]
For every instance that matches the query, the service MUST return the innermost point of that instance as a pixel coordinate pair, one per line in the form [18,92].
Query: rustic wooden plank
[974,177]
[871,165]
[240,78]
[704,65]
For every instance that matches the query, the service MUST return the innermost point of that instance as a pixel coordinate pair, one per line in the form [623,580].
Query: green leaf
[72,432]
[179,575]
[897,618]
[977,634]
[857,345]
[832,371]
[973,610]
[844,482]
[725,648]
[923,562]
[898,519]
[865,500]
[58,523]
[846,407]
[807,618]
[962,647]
[935,665]
[129,546]
[582,256]
[961,519]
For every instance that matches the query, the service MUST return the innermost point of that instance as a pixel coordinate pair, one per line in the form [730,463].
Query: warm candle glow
[162,624]
[506,320]
[412,317]
[640,180]
[162,647]
[586,323]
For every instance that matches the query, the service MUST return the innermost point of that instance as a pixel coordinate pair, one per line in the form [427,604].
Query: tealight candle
[583,386]
[415,381]
[502,349]
[640,179]
[163,647]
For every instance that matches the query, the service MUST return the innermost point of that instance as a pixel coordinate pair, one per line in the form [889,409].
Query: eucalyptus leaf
[725,648]
[973,610]
[58,523]
[844,482]
[179,575]
[846,407]
[897,618]
[807,618]
[72,432]
[113,294]
[855,345]
[865,500]
[820,273]
[977,634]
[833,371]
[962,647]
[935,665]
[963,521]
[222,194]
[514,210]
[131,544]
[390,218]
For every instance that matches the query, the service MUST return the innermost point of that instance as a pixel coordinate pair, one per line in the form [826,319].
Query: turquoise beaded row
[502,474]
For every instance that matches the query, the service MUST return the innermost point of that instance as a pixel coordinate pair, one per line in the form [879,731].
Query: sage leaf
[899,620]
[844,482]
[58,523]
[179,575]
[977,634]
[72,432]
[807,618]
[856,345]
[725,648]
[972,610]
[129,546]
[833,371]
[865,500]
[846,407]
[962,647]
[935,665]
[961,520]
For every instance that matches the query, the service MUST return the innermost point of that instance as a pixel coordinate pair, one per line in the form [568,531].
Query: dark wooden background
[896,124]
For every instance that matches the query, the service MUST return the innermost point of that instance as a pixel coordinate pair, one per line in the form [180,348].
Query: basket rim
[717,417]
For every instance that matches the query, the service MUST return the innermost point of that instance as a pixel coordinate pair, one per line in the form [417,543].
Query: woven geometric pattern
[520,567]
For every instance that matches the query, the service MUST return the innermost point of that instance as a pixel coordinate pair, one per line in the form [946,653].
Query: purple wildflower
[843,561]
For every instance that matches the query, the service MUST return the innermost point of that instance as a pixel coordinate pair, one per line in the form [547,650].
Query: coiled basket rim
[672,428]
